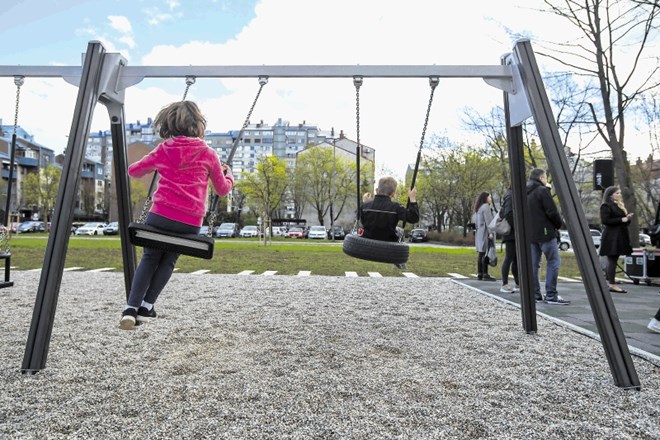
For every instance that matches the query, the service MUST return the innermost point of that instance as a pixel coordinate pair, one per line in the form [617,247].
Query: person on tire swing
[380,215]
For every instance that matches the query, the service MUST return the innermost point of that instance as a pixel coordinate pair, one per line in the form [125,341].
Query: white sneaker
[516,288]
[506,289]
[654,325]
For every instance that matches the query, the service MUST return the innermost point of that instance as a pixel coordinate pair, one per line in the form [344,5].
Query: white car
[317,232]
[249,231]
[91,229]
[565,239]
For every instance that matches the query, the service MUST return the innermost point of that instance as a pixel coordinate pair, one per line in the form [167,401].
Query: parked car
[644,240]
[279,231]
[111,228]
[227,230]
[317,232]
[31,226]
[417,235]
[249,231]
[336,232]
[565,240]
[93,228]
[203,230]
[76,225]
[295,233]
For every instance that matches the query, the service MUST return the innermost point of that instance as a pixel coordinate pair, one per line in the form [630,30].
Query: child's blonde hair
[387,186]
[182,118]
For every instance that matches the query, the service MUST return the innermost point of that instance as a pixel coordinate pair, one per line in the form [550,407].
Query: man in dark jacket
[545,220]
[381,215]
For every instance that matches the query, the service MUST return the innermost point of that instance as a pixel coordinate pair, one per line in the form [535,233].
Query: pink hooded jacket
[185,165]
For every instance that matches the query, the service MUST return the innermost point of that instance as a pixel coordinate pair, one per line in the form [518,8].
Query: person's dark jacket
[615,239]
[381,215]
[507,213]
[544,217]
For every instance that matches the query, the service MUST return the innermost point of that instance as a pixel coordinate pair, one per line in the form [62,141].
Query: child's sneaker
[654,325]
[144,315]
[128,319]
[506,289]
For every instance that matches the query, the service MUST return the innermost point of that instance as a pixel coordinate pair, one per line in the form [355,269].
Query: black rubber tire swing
[368,249]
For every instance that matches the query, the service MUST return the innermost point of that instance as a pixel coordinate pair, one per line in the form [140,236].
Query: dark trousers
[510,262]
[156,266]
[610,271]
[482,264]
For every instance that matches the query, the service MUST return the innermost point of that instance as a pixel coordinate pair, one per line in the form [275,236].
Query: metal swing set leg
[6,282]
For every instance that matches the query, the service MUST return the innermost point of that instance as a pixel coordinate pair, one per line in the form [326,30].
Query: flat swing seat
[193,245]
[375,250]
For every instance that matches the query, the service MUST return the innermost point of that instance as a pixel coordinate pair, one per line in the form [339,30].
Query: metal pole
[602,306]
[36,351]
[521,219]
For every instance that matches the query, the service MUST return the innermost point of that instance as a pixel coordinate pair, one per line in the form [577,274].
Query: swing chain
[190,80]
[4,240]
[433,82]
[19,81]
[211,221]
[357,82]
[263,80]
[145,208]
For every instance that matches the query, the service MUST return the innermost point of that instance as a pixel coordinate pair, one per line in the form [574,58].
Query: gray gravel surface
[284,357]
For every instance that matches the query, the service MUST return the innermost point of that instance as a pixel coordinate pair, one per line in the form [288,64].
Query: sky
[272,32]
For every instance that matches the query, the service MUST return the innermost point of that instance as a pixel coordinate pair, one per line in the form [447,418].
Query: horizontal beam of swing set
[500,76]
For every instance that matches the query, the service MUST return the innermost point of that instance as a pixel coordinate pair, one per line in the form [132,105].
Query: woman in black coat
[615,240]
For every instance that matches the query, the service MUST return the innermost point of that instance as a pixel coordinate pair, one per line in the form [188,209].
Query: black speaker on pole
[603,173]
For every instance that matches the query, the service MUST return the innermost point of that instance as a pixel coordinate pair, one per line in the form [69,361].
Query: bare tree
[615,36]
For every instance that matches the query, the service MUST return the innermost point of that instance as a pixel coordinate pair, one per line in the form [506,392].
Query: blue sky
[295,32]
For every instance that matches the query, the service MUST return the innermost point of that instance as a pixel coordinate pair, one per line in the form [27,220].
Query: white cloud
[155,16]
[128,41]
[120,24]
[299,32]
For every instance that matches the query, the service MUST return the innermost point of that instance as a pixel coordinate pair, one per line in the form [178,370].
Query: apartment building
[30,157]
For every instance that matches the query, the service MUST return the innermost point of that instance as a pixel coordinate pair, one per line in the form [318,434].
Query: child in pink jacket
[185,164]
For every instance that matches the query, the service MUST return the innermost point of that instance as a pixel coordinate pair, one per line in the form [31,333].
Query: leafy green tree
[325,180]
[614,48]
[40,189]
[267,187]
[139,192]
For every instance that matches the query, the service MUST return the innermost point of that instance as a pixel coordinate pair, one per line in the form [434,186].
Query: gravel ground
[284,357]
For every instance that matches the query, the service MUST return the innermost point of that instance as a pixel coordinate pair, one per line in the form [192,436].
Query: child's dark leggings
[156,266]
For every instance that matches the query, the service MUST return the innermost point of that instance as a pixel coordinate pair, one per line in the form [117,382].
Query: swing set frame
[103,77]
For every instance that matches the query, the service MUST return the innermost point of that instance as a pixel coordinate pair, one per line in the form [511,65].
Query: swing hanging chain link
[211,222]
[433,82]
[145,209]
[263,80]
[190,80]
[357,81]
[4,234]
[19,81]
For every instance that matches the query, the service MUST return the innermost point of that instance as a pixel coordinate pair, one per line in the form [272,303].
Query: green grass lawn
[287,257]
